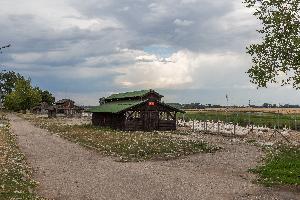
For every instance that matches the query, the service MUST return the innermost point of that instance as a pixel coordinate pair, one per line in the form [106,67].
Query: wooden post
[278,120]
[218,127]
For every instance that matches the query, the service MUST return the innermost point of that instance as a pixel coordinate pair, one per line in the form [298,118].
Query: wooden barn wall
[165,125]
[108,120]
[134,125]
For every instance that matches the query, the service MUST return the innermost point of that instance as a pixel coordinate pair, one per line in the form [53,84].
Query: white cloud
[239,19]
[184,69]
[57,14]
[184,22]
[188,1]
[153,73]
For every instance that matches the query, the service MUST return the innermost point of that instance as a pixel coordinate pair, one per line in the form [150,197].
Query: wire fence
[263,120]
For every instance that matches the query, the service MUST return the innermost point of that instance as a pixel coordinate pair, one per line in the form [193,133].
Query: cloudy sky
[188,50]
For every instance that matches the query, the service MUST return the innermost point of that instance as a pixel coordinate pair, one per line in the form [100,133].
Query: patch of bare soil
[66,170]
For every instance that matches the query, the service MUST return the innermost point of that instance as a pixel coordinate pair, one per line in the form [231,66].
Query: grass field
[15,180]
[128,146]
[282,167]
[269,119]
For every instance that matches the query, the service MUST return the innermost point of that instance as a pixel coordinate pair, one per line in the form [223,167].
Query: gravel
[66,170]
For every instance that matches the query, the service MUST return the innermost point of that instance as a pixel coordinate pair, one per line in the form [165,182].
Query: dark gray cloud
[153,22]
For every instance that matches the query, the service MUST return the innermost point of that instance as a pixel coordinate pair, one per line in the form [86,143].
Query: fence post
[218,127]
[295,124]
[249,119]
[278,120]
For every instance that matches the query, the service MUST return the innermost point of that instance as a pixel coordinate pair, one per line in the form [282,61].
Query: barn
[138,110]
[65,107]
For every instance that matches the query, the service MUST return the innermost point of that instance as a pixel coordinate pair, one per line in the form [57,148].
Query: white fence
[227,128]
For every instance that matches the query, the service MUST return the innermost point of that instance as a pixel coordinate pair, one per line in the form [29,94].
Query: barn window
[133,115]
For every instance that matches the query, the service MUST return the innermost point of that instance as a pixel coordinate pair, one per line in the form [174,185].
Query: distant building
[138,110]
[66,107]
[42,108]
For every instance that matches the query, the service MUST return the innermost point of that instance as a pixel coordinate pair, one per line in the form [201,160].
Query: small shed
[67,107]
[138,110]
[42,108]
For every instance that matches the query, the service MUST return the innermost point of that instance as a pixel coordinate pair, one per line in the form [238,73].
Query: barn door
[151,120]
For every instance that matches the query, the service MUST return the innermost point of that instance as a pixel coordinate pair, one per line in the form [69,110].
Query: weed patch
[282,167]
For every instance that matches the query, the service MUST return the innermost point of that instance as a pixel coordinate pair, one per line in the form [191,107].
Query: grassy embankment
[270,120]
[282,167]
[15,180]
[128,146]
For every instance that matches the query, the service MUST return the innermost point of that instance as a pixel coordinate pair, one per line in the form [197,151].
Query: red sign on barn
[151,103]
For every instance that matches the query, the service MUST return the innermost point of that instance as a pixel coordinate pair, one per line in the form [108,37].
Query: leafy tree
[8,81]
[276,59]
[46,96]
[24,97]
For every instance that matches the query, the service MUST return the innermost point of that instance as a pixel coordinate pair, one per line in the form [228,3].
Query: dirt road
[66,170]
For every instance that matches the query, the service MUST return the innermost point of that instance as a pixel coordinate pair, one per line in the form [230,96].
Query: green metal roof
[118,106]
[140,93]
[115,107]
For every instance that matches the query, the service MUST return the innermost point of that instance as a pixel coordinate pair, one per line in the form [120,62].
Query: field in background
[268,117]
[250,109]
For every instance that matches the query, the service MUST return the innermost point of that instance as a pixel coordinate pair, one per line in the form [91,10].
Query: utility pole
[227,103]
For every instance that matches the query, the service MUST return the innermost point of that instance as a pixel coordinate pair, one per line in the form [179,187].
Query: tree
[23,97]
[46,96]
[8,81]
[276,59]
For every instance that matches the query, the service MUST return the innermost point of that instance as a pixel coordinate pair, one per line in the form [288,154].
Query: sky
[187,50]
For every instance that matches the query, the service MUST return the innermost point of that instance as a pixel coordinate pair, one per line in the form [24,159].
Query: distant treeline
[203,106]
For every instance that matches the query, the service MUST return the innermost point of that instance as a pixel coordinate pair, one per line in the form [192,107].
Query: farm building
[42,108]
[138,110]
[66,107]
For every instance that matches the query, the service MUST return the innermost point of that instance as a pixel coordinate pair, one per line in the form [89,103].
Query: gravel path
[66,170]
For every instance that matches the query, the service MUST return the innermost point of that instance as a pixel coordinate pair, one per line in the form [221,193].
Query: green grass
[128,146]
[270,120]
[282,167]
[15,180]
